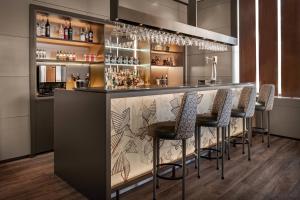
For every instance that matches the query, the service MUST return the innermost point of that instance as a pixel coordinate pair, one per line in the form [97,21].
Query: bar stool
[245,111]
[180,129]
[265,104]
[219,118]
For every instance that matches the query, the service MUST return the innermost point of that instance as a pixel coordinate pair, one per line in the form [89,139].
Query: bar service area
[127,97]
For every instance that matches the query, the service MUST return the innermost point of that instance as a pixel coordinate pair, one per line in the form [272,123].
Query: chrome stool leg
[268,129]
[154,166]
[199,148]
[196,147]
[157,160]
[248,138]
[183,167]
[223,149]
[244,132]
[262,126]
[218,131]
[228,142]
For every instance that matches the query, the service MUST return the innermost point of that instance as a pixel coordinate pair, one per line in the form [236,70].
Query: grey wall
[285,117]
[213,15]
[167,9]
[14,67]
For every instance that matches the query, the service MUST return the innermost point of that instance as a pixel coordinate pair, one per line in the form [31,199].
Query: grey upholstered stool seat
[219,118]
[245,111]
[265,104]
[181,129]
[163,130]
[260,106]
[207,120]
[238,113]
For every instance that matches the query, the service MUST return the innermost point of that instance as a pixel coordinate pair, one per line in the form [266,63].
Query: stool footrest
[173,176]
[209,156]
[259,130]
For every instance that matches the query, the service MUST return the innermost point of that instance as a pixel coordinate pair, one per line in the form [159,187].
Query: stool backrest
[186,117]
[266,96]
[222,106]
[247,101]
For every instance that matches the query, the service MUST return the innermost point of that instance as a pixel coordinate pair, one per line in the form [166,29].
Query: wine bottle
[38,29]
[82,35]
[66,32]
[91,35]
[70,32]
[47,28]
[61,32]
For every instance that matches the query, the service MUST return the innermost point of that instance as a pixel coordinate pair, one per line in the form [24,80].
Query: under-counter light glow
[257,43]
[279,47]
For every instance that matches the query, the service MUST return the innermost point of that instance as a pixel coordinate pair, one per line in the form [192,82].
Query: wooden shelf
[60,62]
[166,66]
[66,42]
[165,52]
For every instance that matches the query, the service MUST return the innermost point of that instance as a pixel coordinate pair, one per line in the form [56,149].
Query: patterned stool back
[266,96]
[186,117]
[247,101]
[222,106]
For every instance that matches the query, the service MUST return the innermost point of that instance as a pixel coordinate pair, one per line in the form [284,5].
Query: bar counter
[100,134]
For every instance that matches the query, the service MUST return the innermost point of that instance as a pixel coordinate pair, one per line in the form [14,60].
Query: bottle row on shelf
[40,54]
[127,44]
[66,56]
[169,61]
[115,77]
[65,32]
[163,80]
[113,59]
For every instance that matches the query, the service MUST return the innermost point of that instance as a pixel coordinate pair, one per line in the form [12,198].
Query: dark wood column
[290,14]
[247,40]
[268,51]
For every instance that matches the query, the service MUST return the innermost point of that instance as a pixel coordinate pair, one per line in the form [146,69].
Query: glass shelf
[126,49]
[128,65]
[66,42]
[165,52]
[59,62]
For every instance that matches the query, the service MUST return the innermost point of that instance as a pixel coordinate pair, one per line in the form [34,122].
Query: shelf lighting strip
[127,65]
[128,49]
[63,63]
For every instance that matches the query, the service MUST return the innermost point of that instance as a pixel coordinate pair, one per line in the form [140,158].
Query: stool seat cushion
[238,113]
[260,106]
[207,119]
[163,130]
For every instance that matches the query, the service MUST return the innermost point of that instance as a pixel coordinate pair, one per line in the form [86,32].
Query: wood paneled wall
[247,40]
[290,14]
[268,51]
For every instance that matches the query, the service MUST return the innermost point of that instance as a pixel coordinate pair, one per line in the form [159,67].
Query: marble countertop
[155,87]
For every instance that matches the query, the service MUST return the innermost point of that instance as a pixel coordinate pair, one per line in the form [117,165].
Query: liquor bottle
[166,79]
[66,32]
[47,28]
[42,25]
[70,33]
[91,35]
[38,29]
[61,32]
[82,35]
[57,55]
[86,34]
